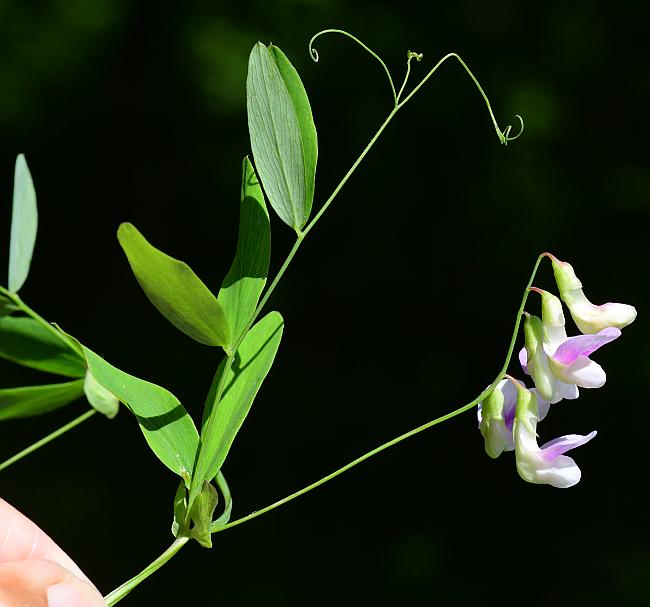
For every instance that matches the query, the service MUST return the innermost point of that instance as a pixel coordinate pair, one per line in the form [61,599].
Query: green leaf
[245,280]
[24,224]
[305,118]
[251,364]
[36,400]
[165,423]
[278,118]
[27,342]
[177,292]
[201,514]
[99,397]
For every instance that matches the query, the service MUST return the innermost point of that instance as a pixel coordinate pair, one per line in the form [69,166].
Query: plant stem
[23,307]
[410,433]
[503,135]
[123,590]
[50,437]
[357,461]
[195,485]
[119,593]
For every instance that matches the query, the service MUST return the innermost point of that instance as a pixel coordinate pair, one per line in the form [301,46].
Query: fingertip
[74,592]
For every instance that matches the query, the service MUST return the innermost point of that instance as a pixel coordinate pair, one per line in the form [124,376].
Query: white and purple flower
[496,416]
[589,317]
[557,363]
[547,464]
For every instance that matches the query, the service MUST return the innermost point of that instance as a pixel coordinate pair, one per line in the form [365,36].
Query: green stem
[347,176]
[23,307]
[504,136]
[47,439]
[411,55]
[357,461]
[119,593]
[125,588]
[410,433]
[195,485]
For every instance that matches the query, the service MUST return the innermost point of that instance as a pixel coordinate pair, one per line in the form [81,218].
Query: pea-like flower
[557,363]
[589,317]
[546,464]
[496,415]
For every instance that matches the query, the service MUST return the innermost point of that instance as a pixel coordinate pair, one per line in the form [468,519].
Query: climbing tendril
[314,54]
[503,135]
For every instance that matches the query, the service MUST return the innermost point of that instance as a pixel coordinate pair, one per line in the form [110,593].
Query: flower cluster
[558,365]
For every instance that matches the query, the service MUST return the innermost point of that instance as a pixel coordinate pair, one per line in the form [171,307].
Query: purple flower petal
[510,393]
[553,449]
[584,345]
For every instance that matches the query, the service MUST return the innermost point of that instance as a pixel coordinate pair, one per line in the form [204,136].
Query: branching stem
[504,137]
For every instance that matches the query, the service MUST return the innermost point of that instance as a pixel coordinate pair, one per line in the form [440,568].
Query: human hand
[34,571]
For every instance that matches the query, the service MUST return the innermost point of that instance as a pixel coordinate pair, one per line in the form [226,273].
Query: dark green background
[398,308]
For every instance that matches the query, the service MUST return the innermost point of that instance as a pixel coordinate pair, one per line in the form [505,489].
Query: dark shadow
[253,243]
[238,369]
[157,422]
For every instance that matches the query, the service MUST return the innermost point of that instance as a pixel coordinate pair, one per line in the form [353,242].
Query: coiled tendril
[314,54]
[504,135]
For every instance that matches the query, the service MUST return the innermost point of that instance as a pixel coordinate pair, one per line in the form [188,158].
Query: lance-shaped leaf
[305,119]
[222,421]
[24,224]
[282,134]
[27,342]
[36,400]
[245,280]
[177,292]
[165,423]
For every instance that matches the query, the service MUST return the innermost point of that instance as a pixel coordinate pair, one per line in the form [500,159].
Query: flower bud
[537,360]
[589,317]
[496,414]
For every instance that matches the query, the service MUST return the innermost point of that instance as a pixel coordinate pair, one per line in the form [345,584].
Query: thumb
[39,582]
[74,592]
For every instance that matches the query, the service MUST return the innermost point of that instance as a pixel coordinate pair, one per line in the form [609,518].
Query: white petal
[585,373]
[523,360]
[568,391]
[592,319]
[554,337]
[562,473]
